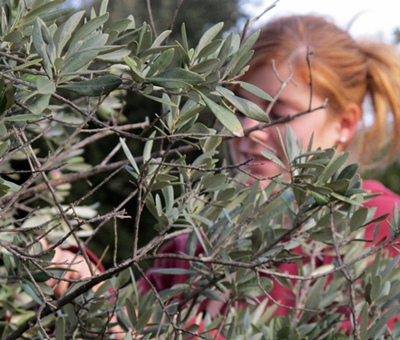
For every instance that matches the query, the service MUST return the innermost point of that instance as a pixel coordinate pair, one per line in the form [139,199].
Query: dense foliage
[64,77]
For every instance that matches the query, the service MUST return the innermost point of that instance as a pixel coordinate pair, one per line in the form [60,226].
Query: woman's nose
[254,131]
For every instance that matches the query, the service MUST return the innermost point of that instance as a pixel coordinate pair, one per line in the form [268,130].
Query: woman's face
[293,99]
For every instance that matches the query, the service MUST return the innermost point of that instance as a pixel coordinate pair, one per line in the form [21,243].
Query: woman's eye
[275,116]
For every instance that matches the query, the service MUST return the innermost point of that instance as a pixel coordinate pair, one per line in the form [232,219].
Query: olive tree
[64,77]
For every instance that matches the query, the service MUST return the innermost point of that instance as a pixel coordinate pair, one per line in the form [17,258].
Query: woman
[306,62]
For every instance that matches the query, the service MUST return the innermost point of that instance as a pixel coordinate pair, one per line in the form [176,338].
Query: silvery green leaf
[207,37]
[333,166]
[119,54]
[89,27]
[225,49]
[291,143]
[242,63]
[64,32]
[45,85]
[225,116]
[78,60]
[185,44]
[103,7]
[129,155]
[378,328]
[168,194]
[3,130]
[241,53]
[247,107]
[346,199]
[60,328]
[210,49]
[207,65]
[145,38]
[255,90]
[40,11]
[272,157]
[40,46]
[136,73]
[38,103]
[161,62]
[159,100]
[148,147]
[161,38]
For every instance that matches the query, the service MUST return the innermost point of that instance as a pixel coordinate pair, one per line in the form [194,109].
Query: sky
[371,18]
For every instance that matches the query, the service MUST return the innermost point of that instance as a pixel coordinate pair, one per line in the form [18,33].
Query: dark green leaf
[176,78]
[95,87]
[14,37]
[358,219]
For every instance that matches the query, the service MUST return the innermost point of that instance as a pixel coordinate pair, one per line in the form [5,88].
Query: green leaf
[95,87]
[358,219]
[176,78]
[247,107]
[22,118]
[148,147]
[272,157]
[334,165]
[45,85]
[161,62]
[225,116]
[210,49]
[60,328]
[14,37]
[84,31]
[129,155]
[3,130]
[207,37]
[40,11]
[348,172]
[78,60]
[27,64]
[291,143]
[3,148]
[137,74]
[213,295]
[206,66]
[243,50]
[38,103]
[40,46]
[255,90]
[379,327]
[64,32]
[160,39]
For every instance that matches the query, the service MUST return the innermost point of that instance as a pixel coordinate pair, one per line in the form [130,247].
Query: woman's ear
[348,122]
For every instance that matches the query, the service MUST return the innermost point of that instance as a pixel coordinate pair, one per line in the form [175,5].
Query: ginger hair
[343,70]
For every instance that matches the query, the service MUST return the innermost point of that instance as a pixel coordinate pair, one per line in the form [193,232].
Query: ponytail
[383,87]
